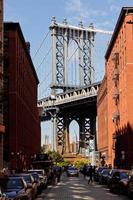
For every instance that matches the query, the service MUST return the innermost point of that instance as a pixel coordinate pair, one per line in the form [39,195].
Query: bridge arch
[74,136]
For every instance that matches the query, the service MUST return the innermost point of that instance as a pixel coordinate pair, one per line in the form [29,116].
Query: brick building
[2,128]
[115,105]
[102,119]
[22,138]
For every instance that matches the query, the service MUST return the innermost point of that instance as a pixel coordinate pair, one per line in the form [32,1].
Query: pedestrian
[90,174]
[84,170]
[58,173]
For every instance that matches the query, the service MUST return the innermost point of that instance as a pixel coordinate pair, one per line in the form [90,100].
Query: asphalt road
[77,188]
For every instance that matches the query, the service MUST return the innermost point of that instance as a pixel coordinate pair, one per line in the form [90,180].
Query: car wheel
[120,189]
[130,194]
[111,189]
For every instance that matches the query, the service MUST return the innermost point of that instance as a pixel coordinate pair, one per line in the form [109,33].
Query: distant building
[22,138]
[46,148]
[74,146]
[115,107]
[2,127]
[46,139]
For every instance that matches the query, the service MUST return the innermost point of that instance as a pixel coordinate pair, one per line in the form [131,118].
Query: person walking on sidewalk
[90,174]
[84,170]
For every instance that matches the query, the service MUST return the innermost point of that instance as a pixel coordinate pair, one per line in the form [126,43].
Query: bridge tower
[84,38]
[61,36]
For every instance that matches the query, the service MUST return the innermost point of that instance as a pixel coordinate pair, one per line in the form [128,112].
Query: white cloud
[80,11]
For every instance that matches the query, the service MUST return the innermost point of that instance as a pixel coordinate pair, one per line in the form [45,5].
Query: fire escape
[115,95]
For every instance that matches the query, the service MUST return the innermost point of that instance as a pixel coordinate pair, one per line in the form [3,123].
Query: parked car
[97,173]
[123,186]
[37,181]
[32,186]
[103,176]
[115,180]
[72,171]
[130,184]
[42,176]
[110,175]
[3,196]
[14,188]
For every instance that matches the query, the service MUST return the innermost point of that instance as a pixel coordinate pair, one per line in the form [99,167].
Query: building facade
[2,128]
[22,138]
[119,73]
[102,136]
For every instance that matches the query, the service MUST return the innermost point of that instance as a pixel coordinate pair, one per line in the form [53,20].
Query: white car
[72,171]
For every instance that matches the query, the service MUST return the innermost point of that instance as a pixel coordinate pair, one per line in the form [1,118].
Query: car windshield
[40,172]
[105,171]
[11,184]
[72,168]
[27,178]
[123,175]
[35,176]
[100,169]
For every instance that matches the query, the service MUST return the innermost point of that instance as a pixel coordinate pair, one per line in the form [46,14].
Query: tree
[81,162]
[55,156]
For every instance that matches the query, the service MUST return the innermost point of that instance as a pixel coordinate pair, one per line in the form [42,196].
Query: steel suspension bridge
[69,74]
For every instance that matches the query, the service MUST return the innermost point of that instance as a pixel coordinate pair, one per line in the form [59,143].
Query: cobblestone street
[77,188]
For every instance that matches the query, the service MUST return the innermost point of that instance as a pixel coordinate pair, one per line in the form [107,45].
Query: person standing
[84,170]
[90,174]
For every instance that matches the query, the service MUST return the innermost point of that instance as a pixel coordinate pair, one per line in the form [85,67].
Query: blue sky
[35,16]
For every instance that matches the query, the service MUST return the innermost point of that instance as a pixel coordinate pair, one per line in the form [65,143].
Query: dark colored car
[123,186]
[110,175]
[116,178]
[72,171]
[32,191]
[103,176]
[42,177]
[3,196]
[14,188]
[37,181]
[130,184]
[98,172]
[126,185]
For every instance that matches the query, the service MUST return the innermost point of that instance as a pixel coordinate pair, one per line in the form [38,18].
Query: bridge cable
[47,85]
[41,45]
[72,54]
[75,62]
[44,58]
[47,75]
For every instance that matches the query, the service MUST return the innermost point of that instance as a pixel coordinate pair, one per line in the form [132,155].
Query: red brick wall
[23,122]
[122,44]
[1,85]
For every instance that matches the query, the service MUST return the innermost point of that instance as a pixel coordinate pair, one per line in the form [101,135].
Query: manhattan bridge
[68,102]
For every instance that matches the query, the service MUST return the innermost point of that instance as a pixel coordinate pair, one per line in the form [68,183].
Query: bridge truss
[66,102]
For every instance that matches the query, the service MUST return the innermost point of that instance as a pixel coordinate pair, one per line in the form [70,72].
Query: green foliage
[81,162]
[43,150]
[55,156]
